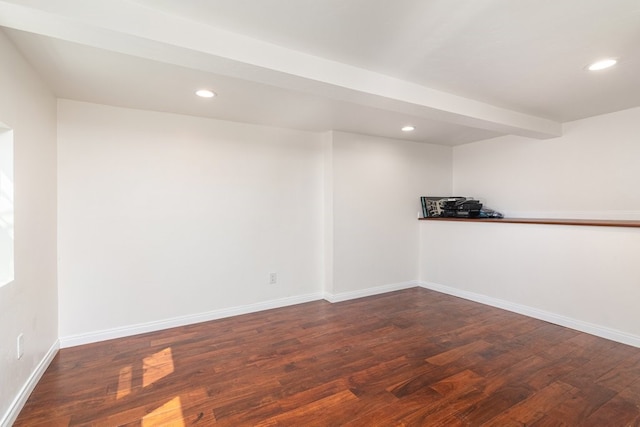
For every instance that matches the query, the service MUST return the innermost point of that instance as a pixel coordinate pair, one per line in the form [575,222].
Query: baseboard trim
[345,296]
[578,325]
[21,399]
[590,328]
[141,328]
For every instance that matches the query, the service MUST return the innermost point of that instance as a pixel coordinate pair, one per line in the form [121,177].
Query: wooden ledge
[552,221]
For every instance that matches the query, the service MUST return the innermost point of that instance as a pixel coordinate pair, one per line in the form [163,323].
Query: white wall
[583,277]
[28,305]
[587,278]
[377,184]
[6,205]
[590,172]
[163,216]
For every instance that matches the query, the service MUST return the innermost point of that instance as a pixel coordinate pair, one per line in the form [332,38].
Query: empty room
[211,213]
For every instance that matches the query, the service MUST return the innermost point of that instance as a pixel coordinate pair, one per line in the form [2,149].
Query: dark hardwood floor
[412,358]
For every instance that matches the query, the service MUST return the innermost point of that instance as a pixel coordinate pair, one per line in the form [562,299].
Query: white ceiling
[459,70]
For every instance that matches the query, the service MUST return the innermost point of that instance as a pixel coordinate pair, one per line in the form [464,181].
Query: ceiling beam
[127,27]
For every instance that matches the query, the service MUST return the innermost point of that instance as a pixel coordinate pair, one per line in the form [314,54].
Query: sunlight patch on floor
[157,366]
[169,414]
[124,382]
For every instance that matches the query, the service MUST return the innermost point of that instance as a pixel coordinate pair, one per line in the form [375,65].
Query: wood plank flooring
[410,358]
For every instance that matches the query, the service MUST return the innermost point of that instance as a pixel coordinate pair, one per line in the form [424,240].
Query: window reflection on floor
[154,368]
[169,414]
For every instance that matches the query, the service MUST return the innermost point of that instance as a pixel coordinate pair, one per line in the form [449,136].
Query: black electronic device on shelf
[450,207]
[467,208]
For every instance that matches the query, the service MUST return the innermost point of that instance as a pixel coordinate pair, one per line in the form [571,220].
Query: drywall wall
[584,277]
[6,205]
[589,172]
[164,216]
[28,304]
[376,189]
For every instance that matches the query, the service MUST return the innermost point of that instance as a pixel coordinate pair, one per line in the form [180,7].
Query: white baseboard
[590,328]
[578,325]
[345,296]
[141,328]
[18,403]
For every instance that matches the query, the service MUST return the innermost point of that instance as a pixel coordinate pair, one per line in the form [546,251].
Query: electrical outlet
[273,278]
[20,346]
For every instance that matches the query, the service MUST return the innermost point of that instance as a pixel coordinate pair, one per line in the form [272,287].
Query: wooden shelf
[552,221]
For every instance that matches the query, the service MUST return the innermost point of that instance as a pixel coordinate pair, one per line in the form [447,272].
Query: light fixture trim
[602,64]
[205,93]
[408,128]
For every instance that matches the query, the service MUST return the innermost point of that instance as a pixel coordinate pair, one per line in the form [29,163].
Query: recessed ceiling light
[205,93]
[601,65]
[408,128]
